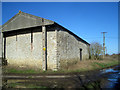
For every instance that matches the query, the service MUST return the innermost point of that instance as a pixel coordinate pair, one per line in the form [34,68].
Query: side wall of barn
[0,47]
[68,49]
[19,51]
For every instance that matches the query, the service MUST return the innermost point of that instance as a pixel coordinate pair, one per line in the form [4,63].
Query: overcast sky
[87,19]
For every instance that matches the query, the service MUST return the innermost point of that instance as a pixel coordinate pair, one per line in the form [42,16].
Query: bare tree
[95,50]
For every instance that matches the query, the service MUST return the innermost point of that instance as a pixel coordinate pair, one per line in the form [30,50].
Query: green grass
[13,70]
[94,65]
[104,65]
[93,85]
[21,85]
[12,85]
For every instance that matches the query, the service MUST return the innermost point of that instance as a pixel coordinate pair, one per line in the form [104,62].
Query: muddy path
[98,79]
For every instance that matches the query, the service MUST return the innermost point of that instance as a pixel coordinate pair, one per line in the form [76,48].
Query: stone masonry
[33,42]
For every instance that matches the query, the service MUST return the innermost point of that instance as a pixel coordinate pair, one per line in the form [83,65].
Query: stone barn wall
[21,50]
[0,45]
[51,50]
[61,47]
[69,48]
[20,53]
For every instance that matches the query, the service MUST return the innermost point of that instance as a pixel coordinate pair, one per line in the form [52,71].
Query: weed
[76,66]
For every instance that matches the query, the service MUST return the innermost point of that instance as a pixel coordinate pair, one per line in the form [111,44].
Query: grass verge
[22,85]
[80,66]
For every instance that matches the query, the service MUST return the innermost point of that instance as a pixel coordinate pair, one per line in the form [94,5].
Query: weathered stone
[27,45]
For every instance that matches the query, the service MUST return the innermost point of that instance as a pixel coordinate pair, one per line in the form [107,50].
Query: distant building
[36,42]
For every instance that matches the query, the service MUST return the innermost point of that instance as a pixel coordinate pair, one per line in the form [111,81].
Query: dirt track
[59,81]
[74,80]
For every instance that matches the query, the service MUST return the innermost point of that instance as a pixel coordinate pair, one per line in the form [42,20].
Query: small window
[80,54]
[31,36]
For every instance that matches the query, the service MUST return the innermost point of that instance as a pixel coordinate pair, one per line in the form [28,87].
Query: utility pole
[103,43]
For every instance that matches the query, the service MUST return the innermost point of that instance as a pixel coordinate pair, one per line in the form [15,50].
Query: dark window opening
[31,36]
[80,54]
[4,47]
[31,39]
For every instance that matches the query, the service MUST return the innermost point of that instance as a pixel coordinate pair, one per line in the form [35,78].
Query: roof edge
[72,33]
[23,13]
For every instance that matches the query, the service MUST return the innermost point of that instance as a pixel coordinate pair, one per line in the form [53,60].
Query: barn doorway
[80,54]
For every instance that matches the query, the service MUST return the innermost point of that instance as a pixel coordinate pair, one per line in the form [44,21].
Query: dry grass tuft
[86,65]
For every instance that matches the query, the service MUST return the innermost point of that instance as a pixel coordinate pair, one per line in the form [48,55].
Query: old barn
[35,42]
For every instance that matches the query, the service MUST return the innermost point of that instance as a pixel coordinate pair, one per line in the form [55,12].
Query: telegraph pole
[103,43]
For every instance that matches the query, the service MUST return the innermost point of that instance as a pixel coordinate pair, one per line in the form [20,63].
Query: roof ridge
[24,14]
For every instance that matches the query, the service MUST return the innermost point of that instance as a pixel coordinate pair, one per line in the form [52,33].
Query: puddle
[112,77]
[109,70]
[113,80]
